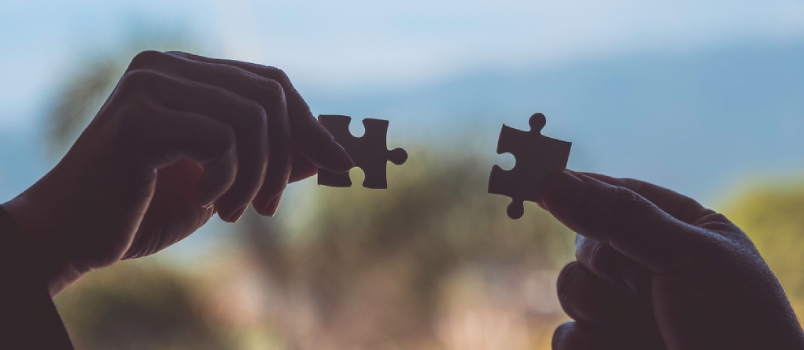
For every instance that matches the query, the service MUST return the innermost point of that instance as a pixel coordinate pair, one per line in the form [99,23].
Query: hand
[181,138]
[656,270]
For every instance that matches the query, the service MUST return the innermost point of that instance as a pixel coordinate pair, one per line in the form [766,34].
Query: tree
[773,216]
[379,268]
[138,304]
[370,268]
[94,75]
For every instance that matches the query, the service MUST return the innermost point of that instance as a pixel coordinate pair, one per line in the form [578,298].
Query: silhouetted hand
[180,138]
[656,270]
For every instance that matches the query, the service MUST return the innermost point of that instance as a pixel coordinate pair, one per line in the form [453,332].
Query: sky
[376,56]
[351,44]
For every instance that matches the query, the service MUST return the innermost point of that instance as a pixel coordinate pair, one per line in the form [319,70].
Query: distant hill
[696,123]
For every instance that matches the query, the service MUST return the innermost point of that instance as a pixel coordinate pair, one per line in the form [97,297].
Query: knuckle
[130,116]
[220,142]
[572,335]
[560,334]
[274,92]
[177,53]
[622,198]
[625,204]
[595,256]
[131,125]
[631,180]
[146,58]
[274,87]
[138,79]
[279,76]
[633,184]
[229,71]
[690,210]
[257,120]
[221,145]
[565,281]
[225,140]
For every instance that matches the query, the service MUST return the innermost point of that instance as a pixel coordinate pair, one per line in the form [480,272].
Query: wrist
[22,211]
[38,257]
[16,251]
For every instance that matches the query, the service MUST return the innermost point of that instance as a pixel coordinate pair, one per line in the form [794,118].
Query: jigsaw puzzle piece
[536,156]
[374,154]
[369,152]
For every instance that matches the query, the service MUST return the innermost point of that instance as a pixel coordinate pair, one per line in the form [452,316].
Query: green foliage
[402,245]
[438,210]
[137,305]
[373,266]
[773,216]
[93,77]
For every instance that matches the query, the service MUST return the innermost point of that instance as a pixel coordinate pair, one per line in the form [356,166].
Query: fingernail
[237,214]
[342,159]
[561,189]
[273,206]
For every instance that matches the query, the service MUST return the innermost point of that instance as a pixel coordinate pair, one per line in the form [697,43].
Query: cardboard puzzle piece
[369,152]
[536,156]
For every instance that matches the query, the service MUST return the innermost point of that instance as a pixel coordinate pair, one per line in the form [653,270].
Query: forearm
[28,318]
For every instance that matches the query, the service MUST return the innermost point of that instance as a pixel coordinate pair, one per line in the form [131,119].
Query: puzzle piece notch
[369,152]
[536,156]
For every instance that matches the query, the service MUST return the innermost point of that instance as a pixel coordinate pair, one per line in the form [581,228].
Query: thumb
[625,220]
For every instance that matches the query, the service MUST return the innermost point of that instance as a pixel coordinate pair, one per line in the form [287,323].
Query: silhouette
[184,137]
[95,75]
[197,121]
[536,156]
[369,152]
[656,270]
[28,318]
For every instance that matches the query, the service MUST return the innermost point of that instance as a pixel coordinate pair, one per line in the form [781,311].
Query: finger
[270,94]
[623,219]
[247,118]
[173,196]
[279,165]
[266,92]
[313,140]
[679,206]
[589,299]
[574,336]
[581,336]
[302,168]
[611,266]
[154,137]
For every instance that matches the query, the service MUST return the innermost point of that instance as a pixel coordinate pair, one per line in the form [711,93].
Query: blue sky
[344,53]
[361,44]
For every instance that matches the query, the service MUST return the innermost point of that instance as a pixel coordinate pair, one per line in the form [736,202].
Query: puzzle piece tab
[369,152]
[536,156]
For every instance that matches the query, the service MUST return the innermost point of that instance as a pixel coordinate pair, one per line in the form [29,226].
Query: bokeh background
[704,97]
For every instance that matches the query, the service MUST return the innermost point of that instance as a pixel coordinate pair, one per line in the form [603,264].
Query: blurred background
[706,98]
